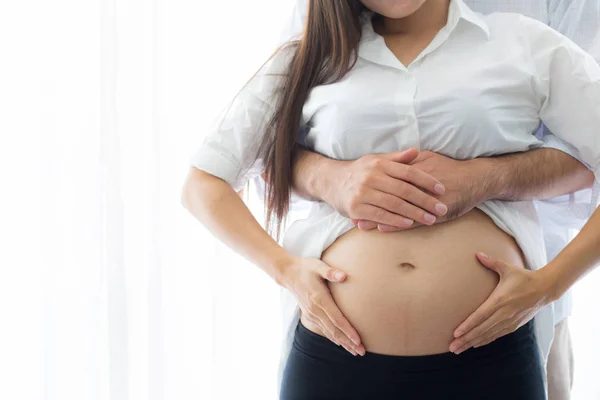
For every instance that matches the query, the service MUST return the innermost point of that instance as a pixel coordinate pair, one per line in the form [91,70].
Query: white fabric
[109,288]
[579,20]
[560,367]
[524,71]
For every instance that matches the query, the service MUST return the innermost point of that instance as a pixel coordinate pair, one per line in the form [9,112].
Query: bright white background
[109,289]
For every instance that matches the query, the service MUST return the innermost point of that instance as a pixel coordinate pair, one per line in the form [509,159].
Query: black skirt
[506,369]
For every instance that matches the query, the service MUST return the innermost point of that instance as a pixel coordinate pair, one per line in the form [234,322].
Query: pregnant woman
[463,85]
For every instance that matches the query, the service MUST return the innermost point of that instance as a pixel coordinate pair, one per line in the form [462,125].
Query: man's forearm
[533,175]
[309,181]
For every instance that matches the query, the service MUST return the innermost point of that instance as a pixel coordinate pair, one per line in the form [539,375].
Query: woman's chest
[463,110]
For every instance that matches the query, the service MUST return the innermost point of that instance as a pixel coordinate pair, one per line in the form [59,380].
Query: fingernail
[338,275]
[483,255]
[429,218]
[355,340]
[439,189]
[408,222]
[458,333]
[441,208]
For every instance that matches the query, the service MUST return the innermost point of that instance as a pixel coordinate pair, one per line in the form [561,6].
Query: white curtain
[109,289]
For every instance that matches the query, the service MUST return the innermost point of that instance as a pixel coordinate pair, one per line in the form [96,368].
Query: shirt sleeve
[579,20]
[231,150]
[567,81]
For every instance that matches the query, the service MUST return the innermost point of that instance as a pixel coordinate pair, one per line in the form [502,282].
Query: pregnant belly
[406,292]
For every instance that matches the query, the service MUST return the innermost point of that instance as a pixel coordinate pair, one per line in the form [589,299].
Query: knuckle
[354,206]
[429,200]
[409,173]
[361,191]
[416,195]
[367,159]
[316,300]
[379,213]
[403,191]
[337,321]
[397,204]
[376,162]
[367,180]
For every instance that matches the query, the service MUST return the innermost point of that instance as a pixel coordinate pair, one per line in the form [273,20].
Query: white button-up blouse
[480,88]
[579,20]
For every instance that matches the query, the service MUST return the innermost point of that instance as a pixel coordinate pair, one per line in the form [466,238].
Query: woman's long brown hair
[324,54]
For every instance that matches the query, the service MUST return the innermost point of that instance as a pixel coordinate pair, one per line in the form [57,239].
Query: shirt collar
[459,10]
[371,42]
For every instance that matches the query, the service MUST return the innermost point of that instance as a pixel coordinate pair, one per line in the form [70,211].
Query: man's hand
[384,188]
[463,181]
[387,189]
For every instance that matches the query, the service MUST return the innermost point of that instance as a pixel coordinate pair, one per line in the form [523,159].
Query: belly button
[407,265]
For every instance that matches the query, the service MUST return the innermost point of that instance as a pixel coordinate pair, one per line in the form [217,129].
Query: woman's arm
[567,81]
[220,209]
[521,293]
[580,257]
[228,157]
[215,204]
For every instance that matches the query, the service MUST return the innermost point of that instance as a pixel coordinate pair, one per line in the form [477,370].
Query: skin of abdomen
[406,292]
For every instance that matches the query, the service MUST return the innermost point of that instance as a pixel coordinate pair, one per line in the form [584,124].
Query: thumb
[495,265]
[404,157]
[331,274]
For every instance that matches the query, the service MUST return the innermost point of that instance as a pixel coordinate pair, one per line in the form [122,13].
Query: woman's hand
[305,278]
[464,184]
[520,294]
[385,188]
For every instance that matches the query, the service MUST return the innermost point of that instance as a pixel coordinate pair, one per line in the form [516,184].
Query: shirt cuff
[213,162]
